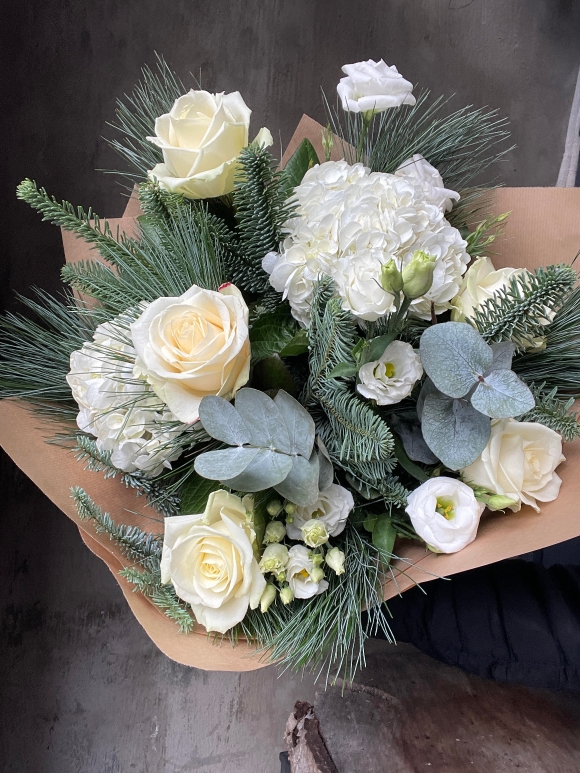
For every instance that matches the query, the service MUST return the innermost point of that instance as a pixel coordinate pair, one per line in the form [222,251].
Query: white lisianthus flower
[519,462]
[193,346]
[445,513]
[314,533]
[373,86]
[391,378]
[209,559]
[332,508]
[123,412]
[299,574]
[349,223]
[201,138]
[274,559]
[432,182]
[335,560]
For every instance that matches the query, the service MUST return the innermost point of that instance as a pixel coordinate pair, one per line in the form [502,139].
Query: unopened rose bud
[335,560]
[275,532]
[317,574]
[499,502]
[267,598]
[418,275]
[274,507]
[274,559]
[290,508]
[286,594]
[314,533]
[391,279]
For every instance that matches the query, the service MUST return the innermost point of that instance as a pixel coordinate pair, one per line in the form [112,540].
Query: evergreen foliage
[515,312]
[261,211]
[554,412]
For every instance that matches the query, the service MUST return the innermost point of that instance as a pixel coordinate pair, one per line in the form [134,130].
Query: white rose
[445,513]
[332,508]
[209,558]
[298,573]
[432,182]
[519,462]
[194,346]
[356,281]
[374,86]
[479,284]
[201,138]
[391,378]
[124,414]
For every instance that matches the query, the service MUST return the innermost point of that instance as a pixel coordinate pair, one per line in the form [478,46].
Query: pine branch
[146,582]
[174,608]
[261,211]
[143,548]
[554,412]
[517,312]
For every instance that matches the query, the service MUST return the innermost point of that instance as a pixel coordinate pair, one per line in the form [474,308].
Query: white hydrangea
[118,407]
[349,223]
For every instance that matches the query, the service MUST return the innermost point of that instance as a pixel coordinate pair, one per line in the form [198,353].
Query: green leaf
[298,345]
[454,356]
[272,373]
[377,347]
[384,536]
[502,395]
[344,370]
[406,463]
[412,438]
[303,159]
[195,493]
[272,333]
[454,430]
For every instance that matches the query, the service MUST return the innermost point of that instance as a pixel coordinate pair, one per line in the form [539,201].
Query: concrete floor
[84,691]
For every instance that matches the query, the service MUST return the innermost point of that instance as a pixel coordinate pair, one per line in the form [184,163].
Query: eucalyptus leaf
[299,423]
[326,474]
[266,470]
[412,439]
[454,430]
[406,463]
[264,420]
[503,353]
[195,492]
[303,159]
[428,388]
[223,422]
[301,484]
[454,356]
[225,463]
[502,395]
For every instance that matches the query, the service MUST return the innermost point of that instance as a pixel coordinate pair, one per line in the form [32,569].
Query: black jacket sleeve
[511,621]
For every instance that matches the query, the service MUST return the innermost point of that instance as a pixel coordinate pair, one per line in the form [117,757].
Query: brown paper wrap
[543,228]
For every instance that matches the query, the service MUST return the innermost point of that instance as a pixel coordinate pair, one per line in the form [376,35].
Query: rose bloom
[391,378]
[209,559]
[373,86]
[201,138]
[298,574]
[432,182]
[332,507]
[194,346]
[479,284]
[445,514]
[519,461]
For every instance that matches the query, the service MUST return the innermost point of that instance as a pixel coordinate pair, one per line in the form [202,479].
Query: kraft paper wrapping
[543,228]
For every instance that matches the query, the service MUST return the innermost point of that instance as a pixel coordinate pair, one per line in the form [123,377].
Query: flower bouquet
[277,396]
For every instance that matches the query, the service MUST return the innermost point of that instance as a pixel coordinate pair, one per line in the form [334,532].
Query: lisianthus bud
[500,502]
[267,598]
[286,594]
[391,279]
[275,532]
[274,507]
[335,560]
[418,275]
[274,559]
[290,508]
[317,559]
[317,574]
[314,533]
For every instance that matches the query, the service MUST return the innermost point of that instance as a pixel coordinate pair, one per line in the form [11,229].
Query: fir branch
[143,548]
[558,365]
[153,96]
[260,201]
[146,583]
[173,607]
[517,311]
[554,412]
